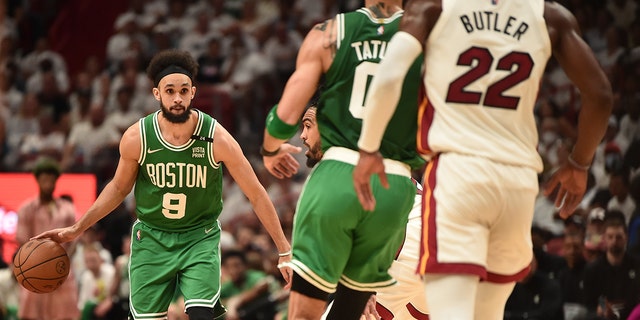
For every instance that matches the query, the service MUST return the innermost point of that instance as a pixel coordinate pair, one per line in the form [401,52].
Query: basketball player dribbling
[175,158]
[483,64]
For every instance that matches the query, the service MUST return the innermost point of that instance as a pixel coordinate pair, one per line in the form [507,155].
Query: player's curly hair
[166,58]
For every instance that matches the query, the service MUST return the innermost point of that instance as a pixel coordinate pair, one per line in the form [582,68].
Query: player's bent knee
[302,286]
[200,313]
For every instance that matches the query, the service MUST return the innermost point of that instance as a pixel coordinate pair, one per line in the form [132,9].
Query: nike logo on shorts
[153,151]
[206,231]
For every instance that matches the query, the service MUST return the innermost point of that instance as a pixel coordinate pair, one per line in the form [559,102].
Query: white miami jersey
[484,63]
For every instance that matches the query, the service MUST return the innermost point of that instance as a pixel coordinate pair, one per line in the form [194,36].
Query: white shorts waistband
[351,156]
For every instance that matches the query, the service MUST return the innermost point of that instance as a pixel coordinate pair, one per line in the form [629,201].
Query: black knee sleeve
[302,286]
[348,304]
[200,313]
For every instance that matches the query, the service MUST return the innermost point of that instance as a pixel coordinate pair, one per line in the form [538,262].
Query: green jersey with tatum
[178,188]
[361,43]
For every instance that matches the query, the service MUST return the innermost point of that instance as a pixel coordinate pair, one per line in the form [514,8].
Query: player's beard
[314,155]
[176,118]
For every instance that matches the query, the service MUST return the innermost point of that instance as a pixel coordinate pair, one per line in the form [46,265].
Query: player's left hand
[571,183]
[370,163]
[285,270]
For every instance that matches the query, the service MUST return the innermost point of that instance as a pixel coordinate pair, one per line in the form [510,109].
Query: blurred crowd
[246,50]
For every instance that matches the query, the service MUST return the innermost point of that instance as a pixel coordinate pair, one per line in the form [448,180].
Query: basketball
[41,265]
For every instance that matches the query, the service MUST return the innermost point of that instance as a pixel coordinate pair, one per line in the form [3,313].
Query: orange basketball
[41,265]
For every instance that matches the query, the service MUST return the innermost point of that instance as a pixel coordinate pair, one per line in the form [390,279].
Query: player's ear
[156,93]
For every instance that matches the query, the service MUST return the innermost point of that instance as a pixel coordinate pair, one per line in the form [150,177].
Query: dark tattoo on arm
[381,10]
[322,26]
[329,40]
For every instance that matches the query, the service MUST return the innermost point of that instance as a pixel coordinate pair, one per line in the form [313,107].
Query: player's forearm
[109,199]
[592,124]
[386,87]
[267,215]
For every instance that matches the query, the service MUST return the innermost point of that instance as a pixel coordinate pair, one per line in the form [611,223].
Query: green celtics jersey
[361,43]
[178,188]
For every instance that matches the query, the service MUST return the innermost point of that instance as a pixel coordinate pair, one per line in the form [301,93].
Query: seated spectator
[94,298]
[634,224]
[245,292]
[621,200]
[210,63]
[593,244]
[535,297]
[9,294]
[48,141]
[25,122]
[124,115]
[87,139]
[90,238]
[612,284]
[571,278]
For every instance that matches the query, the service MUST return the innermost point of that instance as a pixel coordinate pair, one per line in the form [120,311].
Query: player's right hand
[370,163]
[370,312]
[283,164]
[60,235]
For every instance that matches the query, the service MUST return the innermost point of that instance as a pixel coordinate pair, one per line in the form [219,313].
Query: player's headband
[169,70]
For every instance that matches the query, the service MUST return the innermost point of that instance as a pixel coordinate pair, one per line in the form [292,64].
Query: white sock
[451,296]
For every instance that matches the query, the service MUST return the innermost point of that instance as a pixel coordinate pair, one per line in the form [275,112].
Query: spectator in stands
[630,121]
[35,216]
[221,20]
[196,40]
[120,288]
[9,294]
[48,141]
[90,238]
[80,105]
[571,278]
[596,34]
[606,155]
[145,19]
[10,97]
[211,63]
[177,20]
[86,139]
[623,12]
[612,282]
[45,69]
[621,200]
[535,297]
[119,45]
[282,48]
[124,115]
[634,224]
[593,243]
[42,51]
[24,122]
[245,292]
[94,299]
